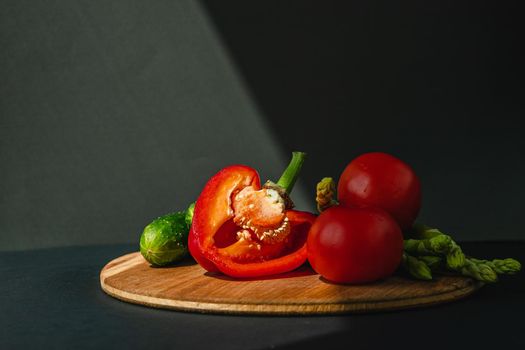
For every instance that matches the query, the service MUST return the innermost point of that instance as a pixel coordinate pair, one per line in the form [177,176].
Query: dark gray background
[115,112]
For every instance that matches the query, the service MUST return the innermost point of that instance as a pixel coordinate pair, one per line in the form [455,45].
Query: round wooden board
[188,287]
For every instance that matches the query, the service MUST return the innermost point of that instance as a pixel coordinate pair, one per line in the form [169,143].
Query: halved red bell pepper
[244,230]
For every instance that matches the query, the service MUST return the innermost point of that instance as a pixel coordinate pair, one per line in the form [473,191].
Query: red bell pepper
[244,230]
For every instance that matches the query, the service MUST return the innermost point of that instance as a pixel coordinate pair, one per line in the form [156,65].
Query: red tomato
[354,245]
[381,180]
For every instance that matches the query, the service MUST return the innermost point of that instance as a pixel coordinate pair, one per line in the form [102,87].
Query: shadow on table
[304,270]
[188,261]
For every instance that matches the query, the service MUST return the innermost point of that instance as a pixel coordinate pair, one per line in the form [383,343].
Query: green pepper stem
[291,173]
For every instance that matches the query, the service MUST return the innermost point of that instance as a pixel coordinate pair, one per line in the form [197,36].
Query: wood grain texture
[188,287]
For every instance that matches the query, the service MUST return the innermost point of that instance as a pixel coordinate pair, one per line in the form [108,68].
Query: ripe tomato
[354,245]
[381,180]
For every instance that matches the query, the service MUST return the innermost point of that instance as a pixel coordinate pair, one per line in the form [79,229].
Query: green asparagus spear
[325,194]
[455,258]
[437,245]
[480,271]
[432,249]
[416,267]
[421,231]
[435,263]
[507,266]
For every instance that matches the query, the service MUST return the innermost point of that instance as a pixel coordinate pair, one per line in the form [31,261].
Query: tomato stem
[291,173]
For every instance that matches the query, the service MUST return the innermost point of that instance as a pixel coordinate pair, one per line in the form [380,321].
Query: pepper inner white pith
[261,212]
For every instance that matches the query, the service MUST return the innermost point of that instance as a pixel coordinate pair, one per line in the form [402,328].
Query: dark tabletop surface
[52,299]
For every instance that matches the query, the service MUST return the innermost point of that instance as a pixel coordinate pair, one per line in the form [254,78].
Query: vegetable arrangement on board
[365,231]
[244,229]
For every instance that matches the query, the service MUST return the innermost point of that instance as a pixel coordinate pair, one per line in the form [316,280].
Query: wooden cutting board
[188,287]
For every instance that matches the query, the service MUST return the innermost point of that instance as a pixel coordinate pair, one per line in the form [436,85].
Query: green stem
[291,173]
